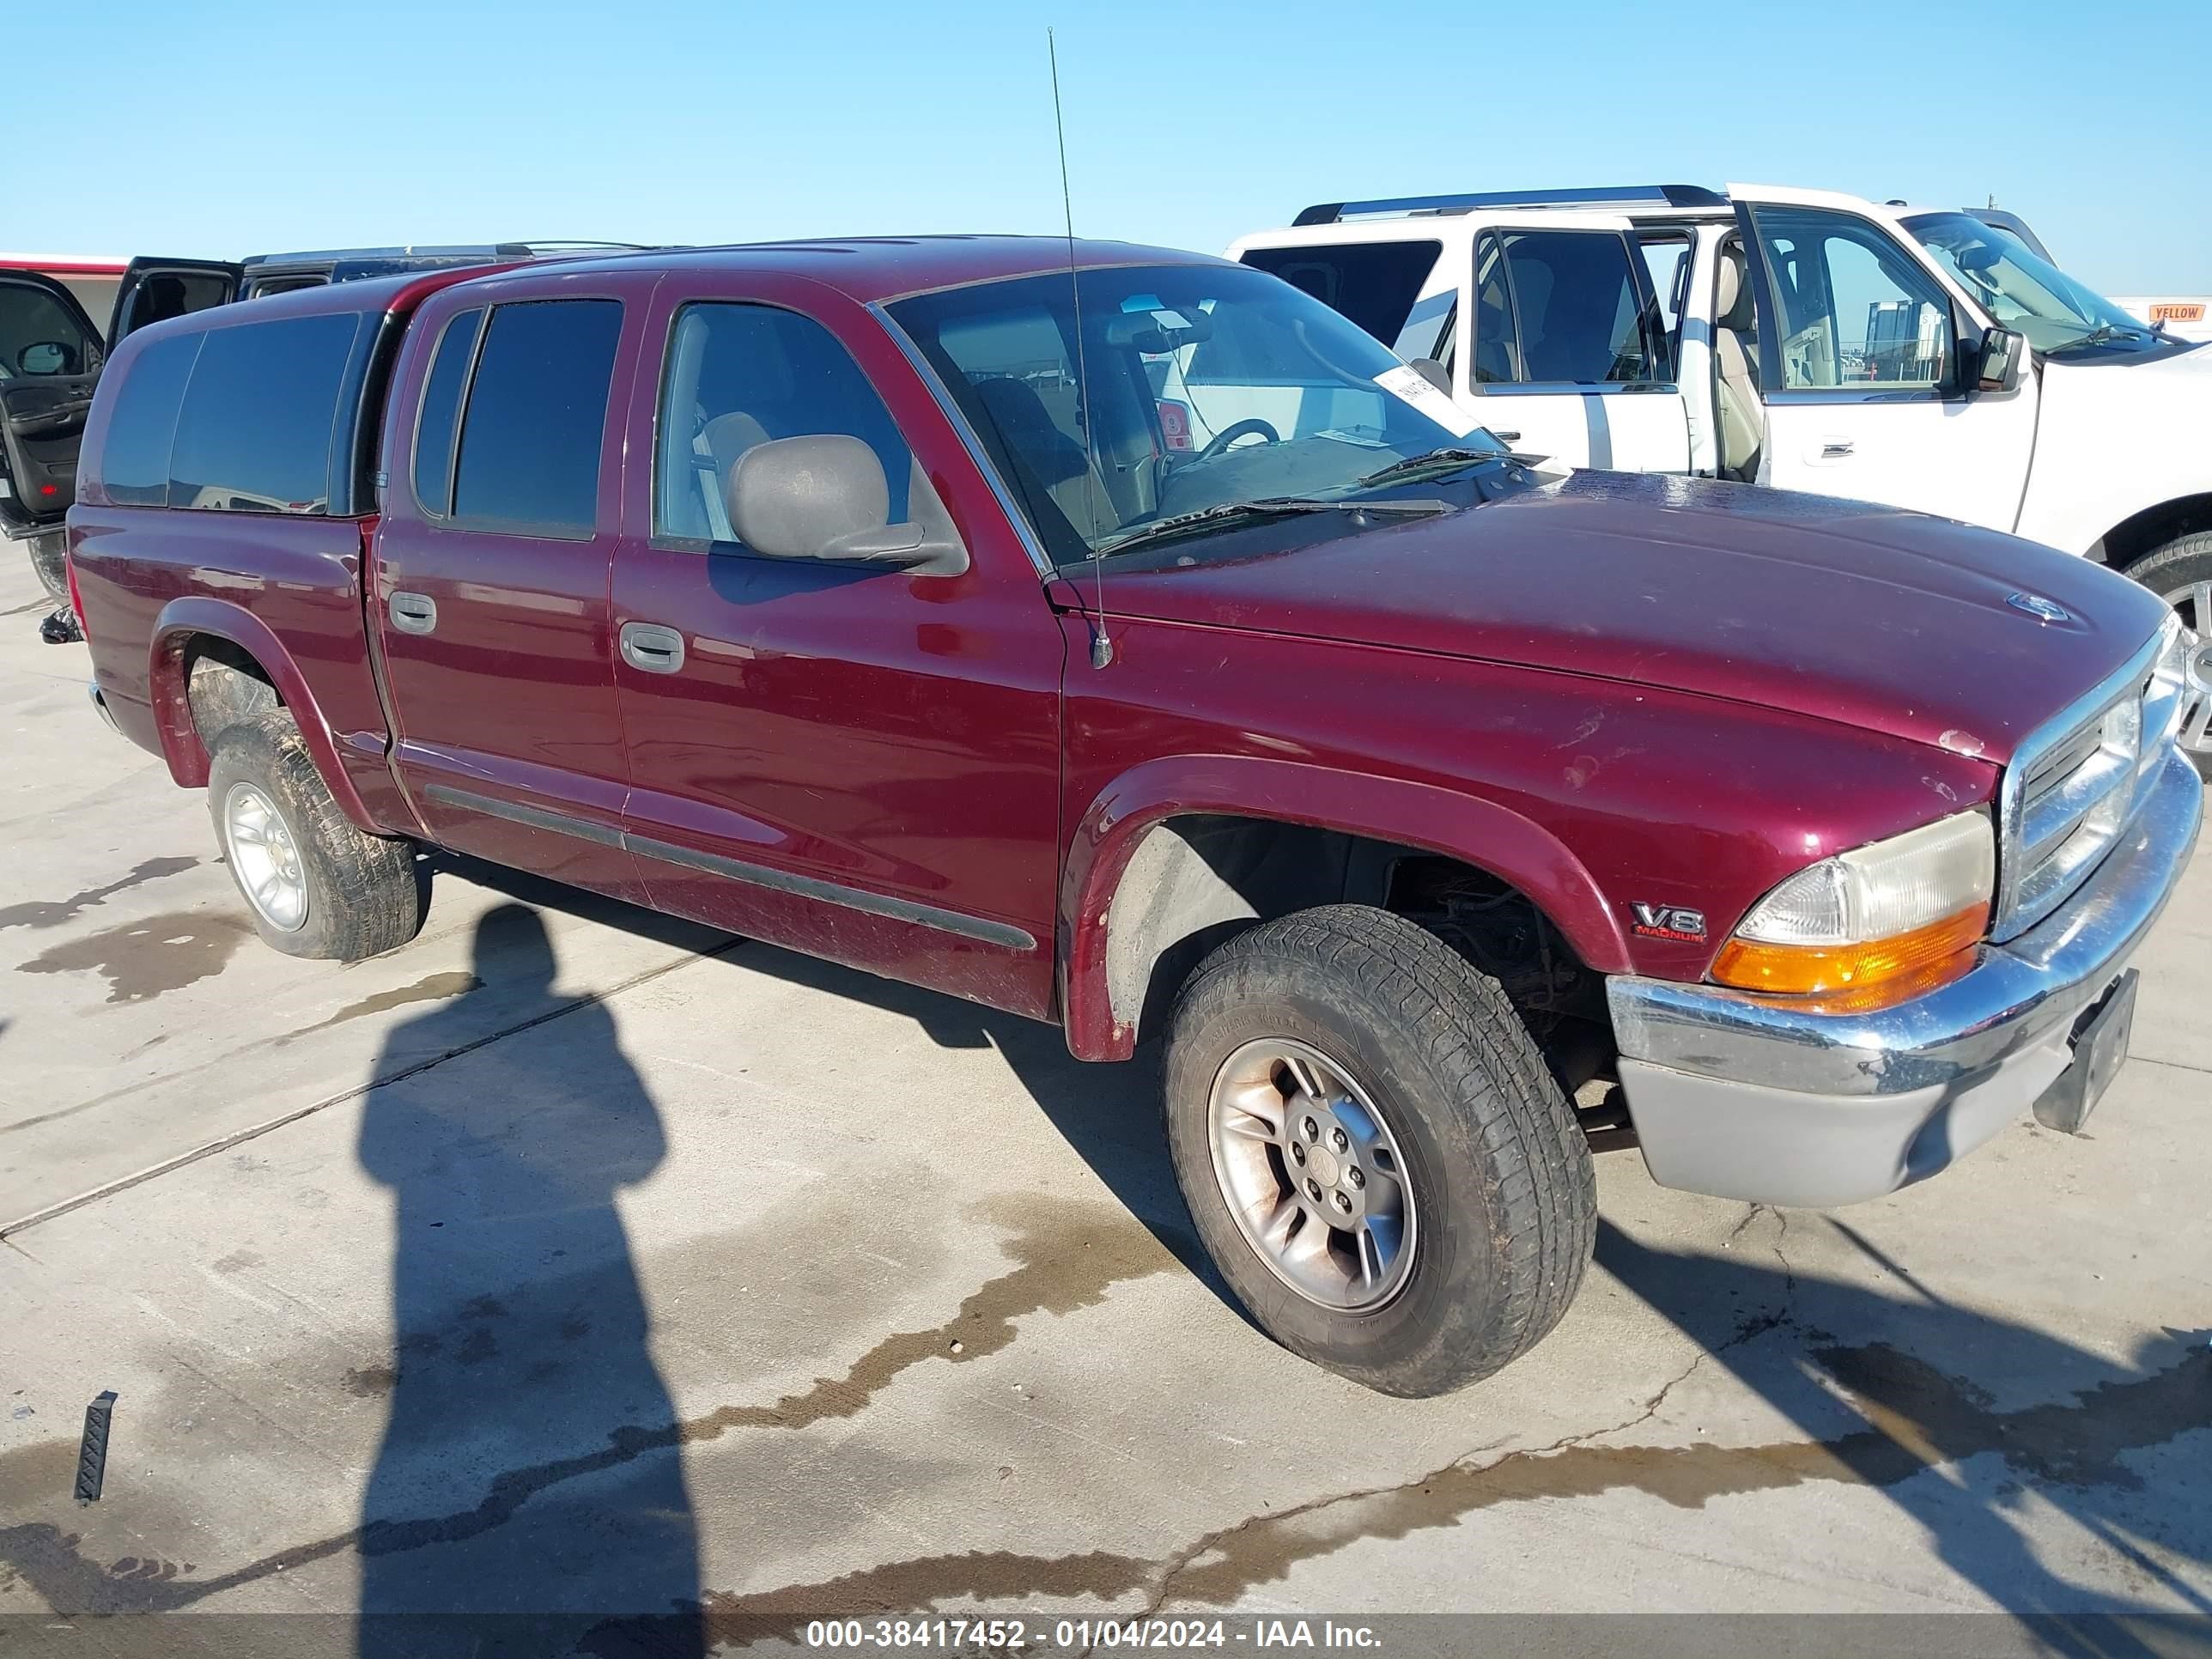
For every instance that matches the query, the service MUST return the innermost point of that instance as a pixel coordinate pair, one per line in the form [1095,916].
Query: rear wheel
[317,886]
[50,558]
[2180,573]
[1374,1152]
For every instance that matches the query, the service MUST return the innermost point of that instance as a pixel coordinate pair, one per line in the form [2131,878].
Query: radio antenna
[1102,647]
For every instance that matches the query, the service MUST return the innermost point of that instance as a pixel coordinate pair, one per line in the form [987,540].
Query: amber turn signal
[1810,970]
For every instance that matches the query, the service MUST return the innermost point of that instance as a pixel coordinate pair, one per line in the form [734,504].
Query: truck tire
[50,558]
[317,886]
[222,695]
[2180,573]
[1343,1063]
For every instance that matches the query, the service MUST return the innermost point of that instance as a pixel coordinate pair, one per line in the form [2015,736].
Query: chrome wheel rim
[2194,606]
[264,858]
[1312,1174]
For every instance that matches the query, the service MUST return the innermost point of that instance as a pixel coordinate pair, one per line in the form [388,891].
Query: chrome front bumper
[1747,1096]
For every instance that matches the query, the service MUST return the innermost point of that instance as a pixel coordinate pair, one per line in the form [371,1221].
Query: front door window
[1856,311]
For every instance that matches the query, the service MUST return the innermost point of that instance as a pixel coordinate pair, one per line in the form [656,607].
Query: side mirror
[825,497]
[43,357]
[1434,372]
[2003,351]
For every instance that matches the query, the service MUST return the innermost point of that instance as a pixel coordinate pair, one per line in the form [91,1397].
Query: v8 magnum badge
[1670,921]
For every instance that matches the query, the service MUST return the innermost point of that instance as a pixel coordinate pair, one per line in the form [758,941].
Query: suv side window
[740,374]
[1563,308]
[39,336]
[1855,309]
[134,461]
[536,421]
[254,433]
[1374,283]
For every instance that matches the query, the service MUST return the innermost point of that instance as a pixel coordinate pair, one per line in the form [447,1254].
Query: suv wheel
[2180,573]
[317,886]
[50,558]
[1376,1155]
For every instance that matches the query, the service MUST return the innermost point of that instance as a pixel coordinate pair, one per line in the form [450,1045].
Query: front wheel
[2180,573]
[1374,1152]
[317,886]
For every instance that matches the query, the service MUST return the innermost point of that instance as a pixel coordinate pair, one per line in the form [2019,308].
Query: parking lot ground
[571,1259]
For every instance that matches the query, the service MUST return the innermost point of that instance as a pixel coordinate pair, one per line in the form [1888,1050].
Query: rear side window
[254,434]
[529,459]
[142,428]
[1563,308]
[1374,283]
[161,294]
[440,420]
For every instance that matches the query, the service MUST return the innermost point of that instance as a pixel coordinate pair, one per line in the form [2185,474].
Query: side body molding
[1415,815]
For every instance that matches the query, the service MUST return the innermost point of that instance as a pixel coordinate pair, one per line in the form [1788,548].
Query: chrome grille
[2075,783]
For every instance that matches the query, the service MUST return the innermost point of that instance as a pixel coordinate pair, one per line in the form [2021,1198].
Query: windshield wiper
[1439,460]
[1223,515]
[2102,333]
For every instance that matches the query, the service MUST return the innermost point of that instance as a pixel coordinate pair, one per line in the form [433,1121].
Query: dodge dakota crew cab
[860,596]
[1924,357]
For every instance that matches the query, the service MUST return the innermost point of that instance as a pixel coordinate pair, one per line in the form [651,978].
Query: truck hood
[1841,611]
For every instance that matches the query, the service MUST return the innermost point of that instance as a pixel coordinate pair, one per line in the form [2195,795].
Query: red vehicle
[852,596]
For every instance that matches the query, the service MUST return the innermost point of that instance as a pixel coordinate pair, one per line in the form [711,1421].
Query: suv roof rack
[1681,195]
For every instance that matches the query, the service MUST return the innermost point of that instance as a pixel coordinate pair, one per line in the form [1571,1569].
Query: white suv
[1928,358]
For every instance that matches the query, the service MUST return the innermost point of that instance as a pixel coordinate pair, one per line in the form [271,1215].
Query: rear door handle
[652,648]
[1835,449]
[1512,437]
[414,613]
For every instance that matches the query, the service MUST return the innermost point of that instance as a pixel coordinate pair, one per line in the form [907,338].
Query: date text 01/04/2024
[957,1635]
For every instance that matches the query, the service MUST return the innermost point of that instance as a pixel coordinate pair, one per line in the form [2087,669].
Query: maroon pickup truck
[874,597]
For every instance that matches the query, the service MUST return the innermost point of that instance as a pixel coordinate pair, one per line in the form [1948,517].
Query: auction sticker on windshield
[1410,385]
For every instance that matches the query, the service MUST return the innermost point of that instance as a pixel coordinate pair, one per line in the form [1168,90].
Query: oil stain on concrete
[1912,1419]
[53,913]
[432,988]
[141,960]
[1068,1255]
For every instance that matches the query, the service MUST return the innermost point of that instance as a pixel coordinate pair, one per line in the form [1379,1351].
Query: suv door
[1569,354]
[50,359]
[861,761]
[1865,363]
[156,290]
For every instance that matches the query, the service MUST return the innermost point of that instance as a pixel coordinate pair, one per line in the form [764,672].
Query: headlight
[1915,905]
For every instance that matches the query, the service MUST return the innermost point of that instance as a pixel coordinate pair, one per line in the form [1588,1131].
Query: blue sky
[211,128]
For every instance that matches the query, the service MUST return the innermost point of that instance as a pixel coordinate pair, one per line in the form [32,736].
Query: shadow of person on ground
[506,1490]
[1889,1390]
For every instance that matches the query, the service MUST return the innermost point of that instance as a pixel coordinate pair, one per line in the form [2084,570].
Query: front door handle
[1836,449]
[414,613]
[1512,437]
[652,648]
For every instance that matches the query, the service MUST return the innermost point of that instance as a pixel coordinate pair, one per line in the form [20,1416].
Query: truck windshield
[2024,291]
[1186,387]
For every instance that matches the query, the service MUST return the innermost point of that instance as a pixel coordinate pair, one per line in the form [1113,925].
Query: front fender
[1418,815]
[167,690]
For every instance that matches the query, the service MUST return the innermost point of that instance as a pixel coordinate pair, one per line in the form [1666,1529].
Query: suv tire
[2180,573]
[317,886]
[1476,1165]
